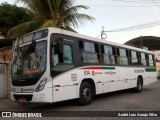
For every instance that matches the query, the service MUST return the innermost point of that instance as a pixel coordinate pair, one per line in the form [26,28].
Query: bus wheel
[139,87]
[86,94]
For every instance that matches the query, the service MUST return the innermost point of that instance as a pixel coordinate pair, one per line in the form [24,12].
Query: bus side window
[123,56]
[67,54]
[134,58]
[54,54]
[143,59]
[151,60]
[107,54]
[89,52]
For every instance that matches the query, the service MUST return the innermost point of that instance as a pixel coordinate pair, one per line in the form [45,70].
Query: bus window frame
[143,59]
[80,52]
[62,38]
[115,56]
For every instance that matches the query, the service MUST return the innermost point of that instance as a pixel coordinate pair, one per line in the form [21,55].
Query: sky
[118,14]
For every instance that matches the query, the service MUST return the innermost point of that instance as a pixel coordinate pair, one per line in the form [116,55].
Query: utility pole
[103,35]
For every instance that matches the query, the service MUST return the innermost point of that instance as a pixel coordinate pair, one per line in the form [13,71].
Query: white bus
[52,65]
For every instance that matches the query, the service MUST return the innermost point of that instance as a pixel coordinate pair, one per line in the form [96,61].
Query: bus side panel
[65,86]
[105,79]
[114,80]
[126,75]
[43,96]
[100,77]
[152,75]
[103,87]
[64,93]
[101,80]
[133,79]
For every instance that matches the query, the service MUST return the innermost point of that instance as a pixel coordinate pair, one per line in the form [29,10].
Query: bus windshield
[29,61]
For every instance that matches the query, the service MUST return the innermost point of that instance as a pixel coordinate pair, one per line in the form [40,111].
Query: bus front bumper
[40,97]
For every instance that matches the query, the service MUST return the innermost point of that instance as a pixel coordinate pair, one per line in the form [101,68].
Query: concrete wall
[5,64]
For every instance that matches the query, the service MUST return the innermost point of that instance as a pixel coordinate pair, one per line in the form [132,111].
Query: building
[5,66]
[151,43]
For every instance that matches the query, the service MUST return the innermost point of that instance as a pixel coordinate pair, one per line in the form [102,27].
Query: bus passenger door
[63,62]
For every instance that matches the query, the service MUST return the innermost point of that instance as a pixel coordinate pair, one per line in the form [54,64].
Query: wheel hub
[87,94]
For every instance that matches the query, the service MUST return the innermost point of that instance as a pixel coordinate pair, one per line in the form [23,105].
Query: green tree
[10,16]
[50,13]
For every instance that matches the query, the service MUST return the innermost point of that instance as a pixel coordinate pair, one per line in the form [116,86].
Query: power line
[121,30]
[131,1]
[142,26]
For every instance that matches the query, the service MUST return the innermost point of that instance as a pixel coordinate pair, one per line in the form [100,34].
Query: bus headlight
[41,85]
[13,89]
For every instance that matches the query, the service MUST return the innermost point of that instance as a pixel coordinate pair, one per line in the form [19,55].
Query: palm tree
[50,13]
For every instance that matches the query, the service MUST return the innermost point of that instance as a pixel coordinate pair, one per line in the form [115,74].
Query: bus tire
[85,94]
[139,87]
